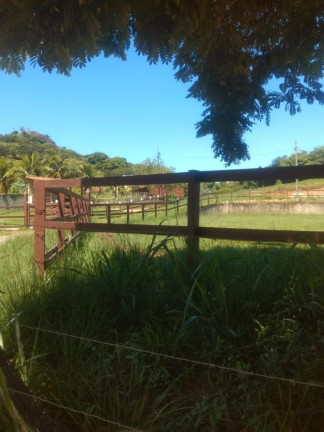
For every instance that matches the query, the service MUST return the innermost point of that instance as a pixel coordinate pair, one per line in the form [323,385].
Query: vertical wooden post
[39,225]
[155,212]
[60,213]
[83,206]
[127,213]
[109,213]
[143,211]
[193,219]
[71,210]
[26,209]
[166,208]
[88,197]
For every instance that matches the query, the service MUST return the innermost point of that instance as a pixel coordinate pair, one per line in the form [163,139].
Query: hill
[32,153]
[17,144]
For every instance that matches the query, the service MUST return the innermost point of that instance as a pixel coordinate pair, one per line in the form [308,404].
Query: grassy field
[250,308]
[11,217]
[243,220]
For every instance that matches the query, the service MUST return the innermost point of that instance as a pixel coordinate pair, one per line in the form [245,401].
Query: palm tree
[30,165]
[88,170]
[55,166]
[58,167]
[7,175]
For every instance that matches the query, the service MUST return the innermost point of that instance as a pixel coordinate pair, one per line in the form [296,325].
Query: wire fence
[170,357]
[75,411]
[117,346]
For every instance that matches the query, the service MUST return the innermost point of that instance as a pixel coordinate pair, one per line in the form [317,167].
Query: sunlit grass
[11,217]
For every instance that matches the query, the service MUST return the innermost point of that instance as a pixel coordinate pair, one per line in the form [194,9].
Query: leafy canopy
[227,49]
[314,157]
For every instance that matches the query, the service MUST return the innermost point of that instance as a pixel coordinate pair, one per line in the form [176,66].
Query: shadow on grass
[248,307]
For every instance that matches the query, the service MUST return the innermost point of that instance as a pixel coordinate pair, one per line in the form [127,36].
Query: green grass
[265,221]
[247,306]
[302,222]
[135,217]
[246,220]
[307,184]
[16,218]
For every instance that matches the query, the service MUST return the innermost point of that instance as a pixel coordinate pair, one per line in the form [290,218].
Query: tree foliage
[314,157]
[6,175]
[28,153]
[227,49]
[152,166]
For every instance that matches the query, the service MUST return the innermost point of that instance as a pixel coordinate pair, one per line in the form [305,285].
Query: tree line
[314,157]
[29,153]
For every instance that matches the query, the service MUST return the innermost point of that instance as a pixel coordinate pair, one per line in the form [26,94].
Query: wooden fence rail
[71,207]
[25,213]
[74,213]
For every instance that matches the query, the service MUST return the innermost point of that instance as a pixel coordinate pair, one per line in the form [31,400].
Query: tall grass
[249,307]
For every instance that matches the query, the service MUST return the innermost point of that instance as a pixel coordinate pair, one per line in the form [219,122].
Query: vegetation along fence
[74,212]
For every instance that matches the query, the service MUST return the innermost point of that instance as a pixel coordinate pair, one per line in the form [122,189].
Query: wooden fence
[71,209]
[113,211]
[112,208]
[74,212]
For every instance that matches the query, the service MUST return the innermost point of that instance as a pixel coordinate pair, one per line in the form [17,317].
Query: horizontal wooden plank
[136,180]
[271,173]
[133,228]
[203,232]
[12,217]
[119,228]
[68,218]
[64,191]
[260,235]
[58,183]
[280,173]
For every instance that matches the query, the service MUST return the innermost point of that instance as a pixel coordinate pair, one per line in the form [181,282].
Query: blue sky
[132,109]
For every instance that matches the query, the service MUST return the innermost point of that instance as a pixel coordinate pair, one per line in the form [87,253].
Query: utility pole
[296,160]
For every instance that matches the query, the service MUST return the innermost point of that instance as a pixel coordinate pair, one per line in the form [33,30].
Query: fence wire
[143,351]
[75,411]
[175,358]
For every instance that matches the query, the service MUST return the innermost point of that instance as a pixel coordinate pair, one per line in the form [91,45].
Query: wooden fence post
[88,197]
[26,209]
[108,213]
[127,213]
[39,225]
[60,213]
[193,219]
